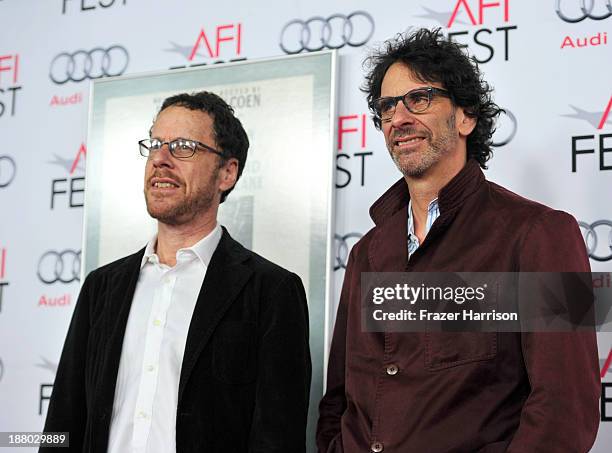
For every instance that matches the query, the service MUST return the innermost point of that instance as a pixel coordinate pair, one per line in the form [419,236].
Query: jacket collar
[450,197]
[388,249]
[225,278]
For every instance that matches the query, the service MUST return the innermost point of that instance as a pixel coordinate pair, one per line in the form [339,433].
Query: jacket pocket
[454,343]
[234,353]
[450,349]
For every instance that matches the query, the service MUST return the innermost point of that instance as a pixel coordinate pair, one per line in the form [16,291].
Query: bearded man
[194,343]
[459,392]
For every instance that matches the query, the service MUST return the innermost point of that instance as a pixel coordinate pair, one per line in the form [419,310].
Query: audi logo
[333,32]
[343,247]
[504,141]
[587,11]
[64,267]
[89,64]
[8,170]
[597,247]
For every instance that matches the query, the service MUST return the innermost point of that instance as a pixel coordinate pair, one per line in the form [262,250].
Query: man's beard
[433,153]
[185,209]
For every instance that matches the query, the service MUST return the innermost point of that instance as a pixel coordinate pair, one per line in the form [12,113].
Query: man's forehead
[401,78]
[180,120]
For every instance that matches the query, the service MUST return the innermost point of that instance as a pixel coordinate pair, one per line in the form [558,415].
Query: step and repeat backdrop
[549,62]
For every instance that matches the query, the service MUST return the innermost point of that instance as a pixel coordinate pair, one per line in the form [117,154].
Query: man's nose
[161,157]
[402,116]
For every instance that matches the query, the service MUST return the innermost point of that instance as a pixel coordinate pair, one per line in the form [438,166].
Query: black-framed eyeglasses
[415,101]
[181,148]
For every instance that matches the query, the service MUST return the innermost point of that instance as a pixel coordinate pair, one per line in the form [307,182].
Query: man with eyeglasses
[194,343]
[457,392]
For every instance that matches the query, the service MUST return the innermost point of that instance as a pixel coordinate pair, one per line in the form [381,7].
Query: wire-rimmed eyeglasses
[181,148]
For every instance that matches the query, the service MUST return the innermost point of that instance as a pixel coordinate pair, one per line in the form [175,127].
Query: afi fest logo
[89,5]
[70,189]
[3,282]
[352,152]
[575,11]
[595,143]
[484,40]
[222,43]
[9,84]
[44,392]
[606,388]
[333,32]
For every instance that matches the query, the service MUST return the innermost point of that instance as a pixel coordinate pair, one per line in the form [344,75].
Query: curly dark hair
[230,136]
[433,58]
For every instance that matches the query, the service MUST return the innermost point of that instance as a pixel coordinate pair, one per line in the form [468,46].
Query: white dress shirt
[146,394]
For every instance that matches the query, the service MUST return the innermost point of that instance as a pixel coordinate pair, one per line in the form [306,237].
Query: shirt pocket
[234,353]
[451,349]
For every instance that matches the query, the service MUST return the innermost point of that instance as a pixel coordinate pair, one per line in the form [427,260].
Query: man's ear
[228,174]
[465,122]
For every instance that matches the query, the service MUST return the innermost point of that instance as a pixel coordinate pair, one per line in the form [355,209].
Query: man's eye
[418,97]
[179,144]
[386,105]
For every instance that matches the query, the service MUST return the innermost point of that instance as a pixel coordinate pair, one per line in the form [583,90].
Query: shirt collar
[203,249]
[432,214]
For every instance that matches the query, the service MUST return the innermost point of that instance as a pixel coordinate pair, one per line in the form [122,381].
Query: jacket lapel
[122,286]
[226,276]
[388,250]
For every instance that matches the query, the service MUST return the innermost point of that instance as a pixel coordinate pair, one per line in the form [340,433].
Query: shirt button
[377,447]
[141,414]
[157,323]
[392,370]
[150,368]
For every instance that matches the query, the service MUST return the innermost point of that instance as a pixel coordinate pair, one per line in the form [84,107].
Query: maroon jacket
[461,392]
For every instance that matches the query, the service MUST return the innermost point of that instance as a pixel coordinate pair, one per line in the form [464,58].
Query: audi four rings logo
[89,64]
[8,170]
[64,267]
[587,7]
[504,141]
[333,32]
[592,239]
[343,247]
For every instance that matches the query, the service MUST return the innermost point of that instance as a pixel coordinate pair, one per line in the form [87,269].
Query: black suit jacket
[245,377]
